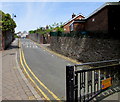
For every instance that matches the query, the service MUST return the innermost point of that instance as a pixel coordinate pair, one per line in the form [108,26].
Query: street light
[13,15]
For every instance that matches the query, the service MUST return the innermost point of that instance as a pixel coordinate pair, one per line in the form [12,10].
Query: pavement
[114,97]
[14,84]
[112,94]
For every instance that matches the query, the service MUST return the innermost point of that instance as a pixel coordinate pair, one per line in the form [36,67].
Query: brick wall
[114,20]
[79,26]
[98,22]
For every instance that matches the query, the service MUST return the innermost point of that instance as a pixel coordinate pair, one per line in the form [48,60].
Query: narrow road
[49,68]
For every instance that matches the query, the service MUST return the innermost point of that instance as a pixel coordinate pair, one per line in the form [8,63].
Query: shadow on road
[12,46]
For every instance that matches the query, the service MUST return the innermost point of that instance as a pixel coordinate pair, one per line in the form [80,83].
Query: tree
[6,23]
[31,31]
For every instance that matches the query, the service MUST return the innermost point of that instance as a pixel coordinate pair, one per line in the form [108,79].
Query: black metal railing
[86,81]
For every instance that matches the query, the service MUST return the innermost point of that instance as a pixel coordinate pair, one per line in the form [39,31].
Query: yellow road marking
[37,78]
[69,59]
[59,55]
[31,78]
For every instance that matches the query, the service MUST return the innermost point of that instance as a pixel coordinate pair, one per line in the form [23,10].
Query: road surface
[50,69]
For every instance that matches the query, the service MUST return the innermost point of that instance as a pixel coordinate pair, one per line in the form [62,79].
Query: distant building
[23,35]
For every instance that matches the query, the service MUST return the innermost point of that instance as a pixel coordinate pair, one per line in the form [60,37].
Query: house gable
[67,24]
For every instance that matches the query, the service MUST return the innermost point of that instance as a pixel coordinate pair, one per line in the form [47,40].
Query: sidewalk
[14,84]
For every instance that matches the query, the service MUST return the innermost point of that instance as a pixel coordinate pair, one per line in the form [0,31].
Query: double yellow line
[24,66]
[59,55]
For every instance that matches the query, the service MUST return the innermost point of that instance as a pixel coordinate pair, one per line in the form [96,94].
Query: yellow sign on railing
[106,83]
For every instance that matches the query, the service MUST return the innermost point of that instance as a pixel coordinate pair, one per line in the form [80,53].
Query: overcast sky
[31,15]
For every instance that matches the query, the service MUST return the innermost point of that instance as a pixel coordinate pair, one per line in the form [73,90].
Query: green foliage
[56,27]
[15,36]
[40,30]
[6,22]
[31,32]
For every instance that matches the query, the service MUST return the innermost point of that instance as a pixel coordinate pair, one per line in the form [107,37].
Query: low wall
[86,49]
[6,39]
[0,40]
[35,37]
[39,38]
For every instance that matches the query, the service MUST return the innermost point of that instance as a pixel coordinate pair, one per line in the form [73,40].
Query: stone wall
[0,40]
[35,37]
[39,38]
[86,49]
[8,38]
[5,39]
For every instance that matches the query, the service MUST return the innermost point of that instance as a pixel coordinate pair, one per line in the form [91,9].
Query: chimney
[73,15]
[47,27]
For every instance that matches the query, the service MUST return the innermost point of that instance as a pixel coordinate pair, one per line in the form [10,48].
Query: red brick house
[105,19]
[67,26]
[77,25]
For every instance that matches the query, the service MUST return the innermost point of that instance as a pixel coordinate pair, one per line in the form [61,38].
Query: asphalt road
[50,69]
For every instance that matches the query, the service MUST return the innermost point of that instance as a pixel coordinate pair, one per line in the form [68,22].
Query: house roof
[97,10]
[100,8]
[77,21]
[73,19]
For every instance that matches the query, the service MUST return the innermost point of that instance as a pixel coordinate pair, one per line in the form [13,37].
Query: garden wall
[5,39]
[0,40]
[86,49]
[39,38]
[9,37]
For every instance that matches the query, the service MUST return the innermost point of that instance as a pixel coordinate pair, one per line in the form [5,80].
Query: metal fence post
[70,95]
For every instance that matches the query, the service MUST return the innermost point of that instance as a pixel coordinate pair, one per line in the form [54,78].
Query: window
[93,19]
[64,29]
[71,27]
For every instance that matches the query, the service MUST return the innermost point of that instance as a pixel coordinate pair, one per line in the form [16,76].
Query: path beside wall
[86,49]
